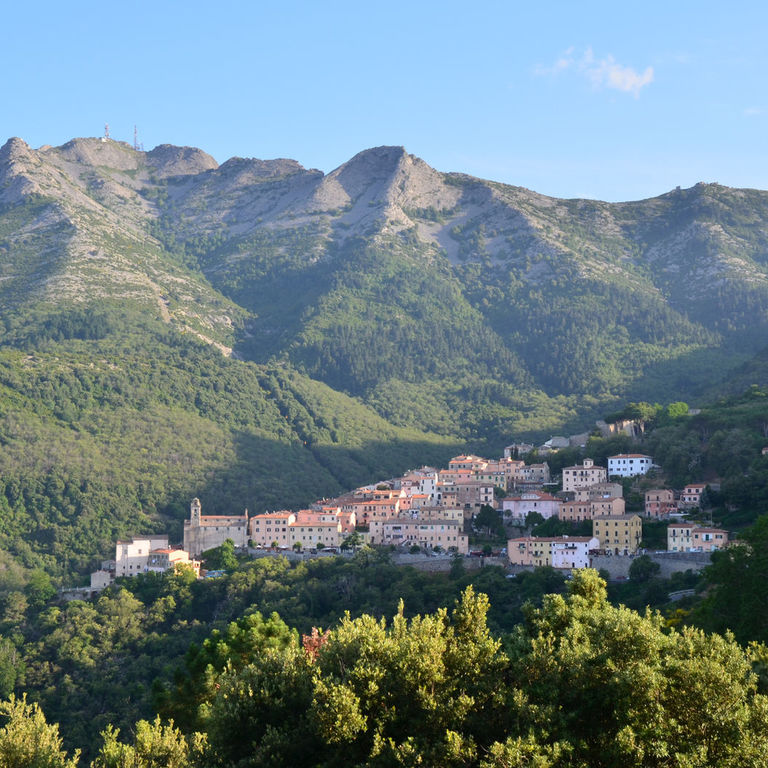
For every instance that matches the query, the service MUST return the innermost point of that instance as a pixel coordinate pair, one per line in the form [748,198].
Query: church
[203,532]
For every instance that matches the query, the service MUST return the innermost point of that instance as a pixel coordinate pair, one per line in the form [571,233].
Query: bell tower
[194,512]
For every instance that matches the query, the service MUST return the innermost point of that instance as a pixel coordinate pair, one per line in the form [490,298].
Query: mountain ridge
[183,234]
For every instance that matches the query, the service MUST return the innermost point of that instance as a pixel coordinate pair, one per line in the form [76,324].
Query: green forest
[561,677]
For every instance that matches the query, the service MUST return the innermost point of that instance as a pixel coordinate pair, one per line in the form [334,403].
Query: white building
[132,557]
[143,555]
[519,507]
[629,464]
[573,551]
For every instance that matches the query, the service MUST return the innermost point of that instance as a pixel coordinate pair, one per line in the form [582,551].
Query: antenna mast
[139,147]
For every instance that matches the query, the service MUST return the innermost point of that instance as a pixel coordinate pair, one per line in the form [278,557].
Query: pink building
[272,527]
[659,503]
[691,495]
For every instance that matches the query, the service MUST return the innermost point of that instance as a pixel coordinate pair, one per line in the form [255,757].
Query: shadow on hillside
[269,474]
[692,378]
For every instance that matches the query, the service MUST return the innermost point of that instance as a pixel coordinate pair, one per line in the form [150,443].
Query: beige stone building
[473,494]
[507,469]
[131,555]
[607,506]
[272,528]
[618,534]
[311,534]
[453,514]
[583,476]
[203,532]
[688,537]
[599,491]
[595,506]
[575,511]
[533,475]
[446,495]
[421,531]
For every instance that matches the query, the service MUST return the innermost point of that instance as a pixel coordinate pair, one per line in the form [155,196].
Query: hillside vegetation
[578,682]
[258,334]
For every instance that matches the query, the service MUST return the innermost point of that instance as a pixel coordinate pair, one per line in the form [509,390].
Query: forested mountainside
[259,334]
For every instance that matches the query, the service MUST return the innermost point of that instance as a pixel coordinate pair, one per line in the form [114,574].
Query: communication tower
[139,147]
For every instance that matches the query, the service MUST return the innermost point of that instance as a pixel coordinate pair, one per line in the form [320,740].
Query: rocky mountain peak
[376,162]
[168,160]
[14,149]
[260,170]
[97,152]
[17,167]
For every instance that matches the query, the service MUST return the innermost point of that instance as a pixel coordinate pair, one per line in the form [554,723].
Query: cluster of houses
[432,509]
[588,495]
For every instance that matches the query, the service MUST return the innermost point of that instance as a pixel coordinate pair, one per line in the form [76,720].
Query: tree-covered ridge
[110,423]
[579,683]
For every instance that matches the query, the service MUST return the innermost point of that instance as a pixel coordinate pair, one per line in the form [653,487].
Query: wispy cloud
[754,111]
[601,73]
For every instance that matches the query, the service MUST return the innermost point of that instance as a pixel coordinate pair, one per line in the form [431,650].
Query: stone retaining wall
[670,562]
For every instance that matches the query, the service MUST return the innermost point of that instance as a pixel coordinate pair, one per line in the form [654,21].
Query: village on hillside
[433,511]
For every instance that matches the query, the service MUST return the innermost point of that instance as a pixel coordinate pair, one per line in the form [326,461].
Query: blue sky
[607,100]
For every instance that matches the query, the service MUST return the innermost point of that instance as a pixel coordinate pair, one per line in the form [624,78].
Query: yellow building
[530,550]
[618,534]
